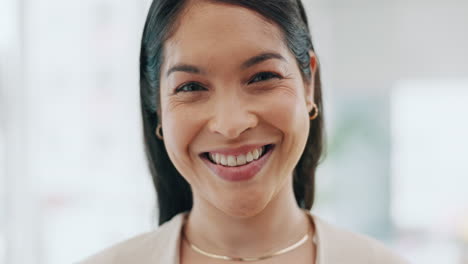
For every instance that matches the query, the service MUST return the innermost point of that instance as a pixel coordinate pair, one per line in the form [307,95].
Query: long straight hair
[174,194]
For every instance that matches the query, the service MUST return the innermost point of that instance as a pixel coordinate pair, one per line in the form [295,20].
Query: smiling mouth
[241,167]
[238,160]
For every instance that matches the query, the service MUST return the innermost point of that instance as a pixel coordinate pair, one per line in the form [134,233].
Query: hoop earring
[159,132]
[316,113]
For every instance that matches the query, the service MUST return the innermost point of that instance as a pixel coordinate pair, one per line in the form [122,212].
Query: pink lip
[239,173]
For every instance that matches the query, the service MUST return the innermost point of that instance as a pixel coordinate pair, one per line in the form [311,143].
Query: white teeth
[239,160]
[249,157]
[223,160]
[231,161]
[256,154]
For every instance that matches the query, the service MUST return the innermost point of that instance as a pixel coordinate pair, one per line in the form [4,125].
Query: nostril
[231,124]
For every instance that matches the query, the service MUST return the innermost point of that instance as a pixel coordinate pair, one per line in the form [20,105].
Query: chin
[244,205]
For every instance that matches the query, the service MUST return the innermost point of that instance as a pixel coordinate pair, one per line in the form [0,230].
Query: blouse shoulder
[144,248]
[337,245]
[334,245]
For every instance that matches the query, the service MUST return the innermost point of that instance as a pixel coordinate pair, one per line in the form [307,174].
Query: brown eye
[264,76]
[190,87]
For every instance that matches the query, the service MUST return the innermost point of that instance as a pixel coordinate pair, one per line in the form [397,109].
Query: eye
[264,76]
[190,87]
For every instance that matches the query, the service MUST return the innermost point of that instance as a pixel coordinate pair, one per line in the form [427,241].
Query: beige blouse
[334,246]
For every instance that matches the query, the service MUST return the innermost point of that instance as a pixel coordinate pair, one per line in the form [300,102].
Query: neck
[279,225]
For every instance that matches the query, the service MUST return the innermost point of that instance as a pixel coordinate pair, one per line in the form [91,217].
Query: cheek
[287,112]
[288,115]
[179,129]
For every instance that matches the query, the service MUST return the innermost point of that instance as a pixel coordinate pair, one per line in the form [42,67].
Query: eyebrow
[261,58]
[185,68]
[247,64]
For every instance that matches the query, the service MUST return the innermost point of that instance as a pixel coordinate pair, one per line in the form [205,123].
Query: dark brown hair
[173,192]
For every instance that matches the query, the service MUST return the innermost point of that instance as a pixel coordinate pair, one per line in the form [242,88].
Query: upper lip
[236,150]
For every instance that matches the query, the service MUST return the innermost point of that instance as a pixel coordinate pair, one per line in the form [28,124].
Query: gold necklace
[279,252]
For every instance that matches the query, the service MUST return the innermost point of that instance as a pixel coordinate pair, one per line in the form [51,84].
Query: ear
[310,87]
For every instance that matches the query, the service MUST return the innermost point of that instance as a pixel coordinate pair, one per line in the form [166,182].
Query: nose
[231,119]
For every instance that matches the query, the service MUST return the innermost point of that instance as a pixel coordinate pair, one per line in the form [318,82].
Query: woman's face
[232,94]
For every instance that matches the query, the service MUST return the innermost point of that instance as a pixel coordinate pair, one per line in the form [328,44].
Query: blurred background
[73,177]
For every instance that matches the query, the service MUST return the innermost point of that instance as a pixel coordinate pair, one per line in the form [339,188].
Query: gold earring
[159,132]
[316,112]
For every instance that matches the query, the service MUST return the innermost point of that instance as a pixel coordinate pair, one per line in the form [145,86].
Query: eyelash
[268,75]
[185,85]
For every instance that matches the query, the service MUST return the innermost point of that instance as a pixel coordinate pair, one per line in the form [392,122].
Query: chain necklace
[277,253]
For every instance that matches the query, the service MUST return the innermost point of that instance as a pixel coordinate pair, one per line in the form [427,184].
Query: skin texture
[228,107]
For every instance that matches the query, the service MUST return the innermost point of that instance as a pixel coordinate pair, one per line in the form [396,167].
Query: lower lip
[239,173]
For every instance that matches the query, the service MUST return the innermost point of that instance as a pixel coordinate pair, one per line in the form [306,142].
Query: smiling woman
[233,124]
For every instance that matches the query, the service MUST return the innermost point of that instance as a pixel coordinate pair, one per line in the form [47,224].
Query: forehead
[208,30]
